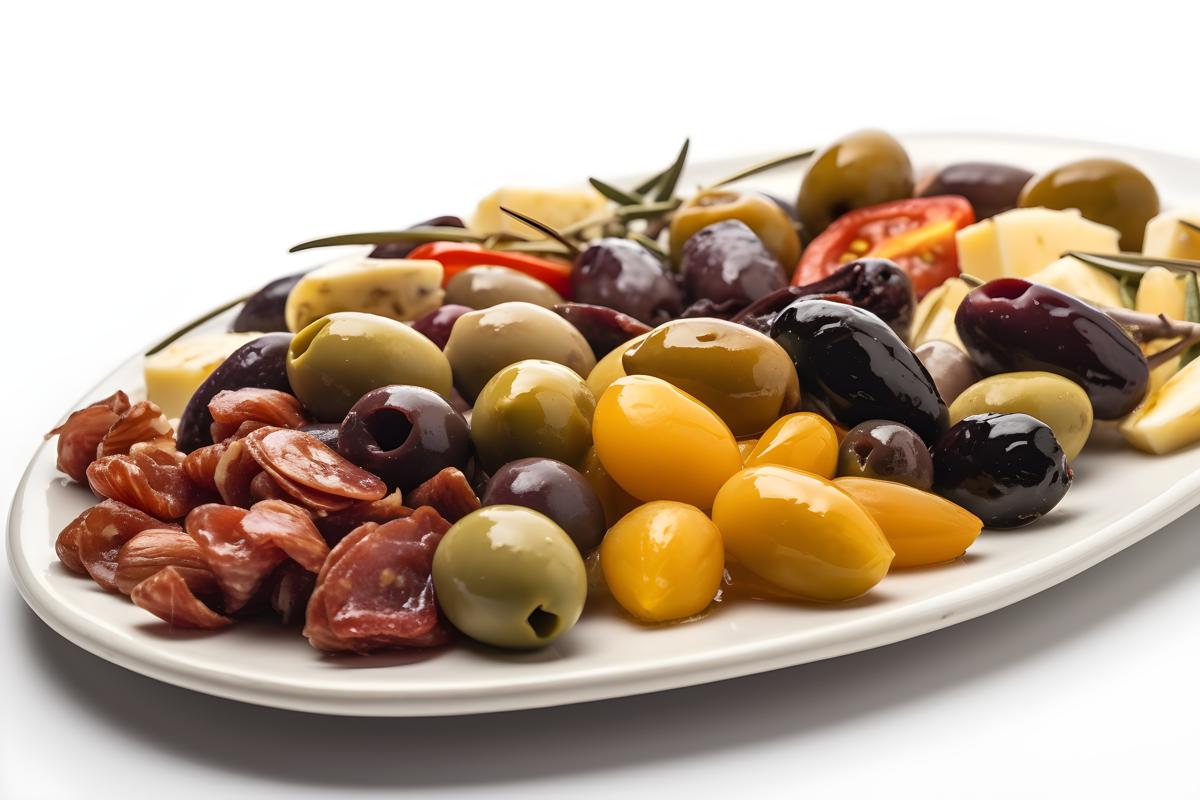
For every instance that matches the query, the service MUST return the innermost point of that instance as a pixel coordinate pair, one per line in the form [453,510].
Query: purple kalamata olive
[404,434]
[263,310]
[604,328]
[727,263]
[989,188]
[402,249]
[260,364]
[886,451]
[556,490]
[326,432]
[1012,325]
[625,276]
[437,324]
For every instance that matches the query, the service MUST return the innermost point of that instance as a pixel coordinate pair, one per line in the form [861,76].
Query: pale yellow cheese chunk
[934,318]
[1020,242]
[1162,291]
[1170,417]
[398,288]
[1166,238]
[556,208]
[174,373]
[1076,278]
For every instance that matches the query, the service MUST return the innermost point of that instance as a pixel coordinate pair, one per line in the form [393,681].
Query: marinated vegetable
[921,527]
[888,451]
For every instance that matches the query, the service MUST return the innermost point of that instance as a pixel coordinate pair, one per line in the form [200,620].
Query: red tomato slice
[918,234]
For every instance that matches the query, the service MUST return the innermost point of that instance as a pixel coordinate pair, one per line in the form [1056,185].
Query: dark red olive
[887,451]
[989,188]
[1006,469]
[263,310]
[402,249]
[326,432]
[260,364]
[1012,325]
[623,275]
[437,324]
[854,368]
[556,490]
[726,262]
[875,284]
[604,328]
[404,434]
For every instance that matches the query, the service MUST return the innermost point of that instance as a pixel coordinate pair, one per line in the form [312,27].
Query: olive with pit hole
[887,451]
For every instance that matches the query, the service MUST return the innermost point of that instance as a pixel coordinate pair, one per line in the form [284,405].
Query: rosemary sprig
[425,234]
[572,248]
[650,244]
[619,196]
[970,280]
[541,247]
[671,177]
[1128,263]
[762,167]
[1127,285]
[648,184]
[1191,227]
[647,210]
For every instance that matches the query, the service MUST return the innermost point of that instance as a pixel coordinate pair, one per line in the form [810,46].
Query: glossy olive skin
[264,310]
[405,435]
[854,368]
[325,432]
[769,223]
[402,249]
[484,342]
[863,169]
[509,577]
[487,286]
[726,263]
[437,324]
[625,276]
[555,489]
[604,328]
[261,364]
[875,284]
[340,357]
[952,369]
[989,188]
[1006,469]
[743,376]
[888,451]
[1012,325]
[1104,190]
[1057,401]
[533,408]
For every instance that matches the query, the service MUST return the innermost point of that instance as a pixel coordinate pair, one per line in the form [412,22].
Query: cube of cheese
[174,373]
[399,288]
[556,208]
[1020,242]
[1166,238]
[1076,278]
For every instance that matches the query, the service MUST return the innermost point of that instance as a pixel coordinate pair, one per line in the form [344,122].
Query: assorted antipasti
[671,401]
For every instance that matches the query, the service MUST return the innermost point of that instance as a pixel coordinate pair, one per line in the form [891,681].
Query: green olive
[609,368]
[533,408]
[743,376]
[487,286]
[760,214]
[863,169]
[337,359]
[1060,403]
[484,342]
[1104,190]
[509,577]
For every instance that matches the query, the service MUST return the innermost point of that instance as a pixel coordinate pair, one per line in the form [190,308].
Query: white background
[159,158]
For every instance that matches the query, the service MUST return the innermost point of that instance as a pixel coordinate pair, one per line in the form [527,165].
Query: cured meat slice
[66,546]
[144,422]
[158,548]
[290,528]
[376,590]
[200,465]
[292,585]
[300,458]
[448,492]
[233,474]
[239,562]
[231,408]
[148,479]
[335,526]
[264,487]
[106,527]
[167,595]
[320,502]
[80,435]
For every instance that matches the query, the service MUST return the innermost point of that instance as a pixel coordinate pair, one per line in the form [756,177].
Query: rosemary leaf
[542,247]
[544,228]
[425,234]
[618,196]
[1128,288]
[1130,263]
[671,178]
[1190,227]
[763,167]
[651,245]
[648,210]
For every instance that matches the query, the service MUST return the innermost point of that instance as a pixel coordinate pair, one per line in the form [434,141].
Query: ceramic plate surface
[1119,497]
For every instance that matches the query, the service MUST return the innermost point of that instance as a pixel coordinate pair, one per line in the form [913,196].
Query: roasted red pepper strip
[457,256]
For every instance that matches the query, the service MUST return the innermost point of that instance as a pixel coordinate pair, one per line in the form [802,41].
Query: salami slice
[448,492]
[233,474]
[143,422]
[167,595]
[158,548]
[66,546]
[302,459]
[200,465]
[148,479]
[239,562]
[80,435]
[290,528]
[335,526]
[231,408]
[106,527]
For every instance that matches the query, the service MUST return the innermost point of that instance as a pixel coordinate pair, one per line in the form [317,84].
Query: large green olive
[1104,190]
[1060,403]
[509,577]
[863,169]
[533,408]
[742,375]
[487,286]
[338,358]
[484,342]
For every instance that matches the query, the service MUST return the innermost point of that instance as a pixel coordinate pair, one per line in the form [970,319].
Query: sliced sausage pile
[268,520]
